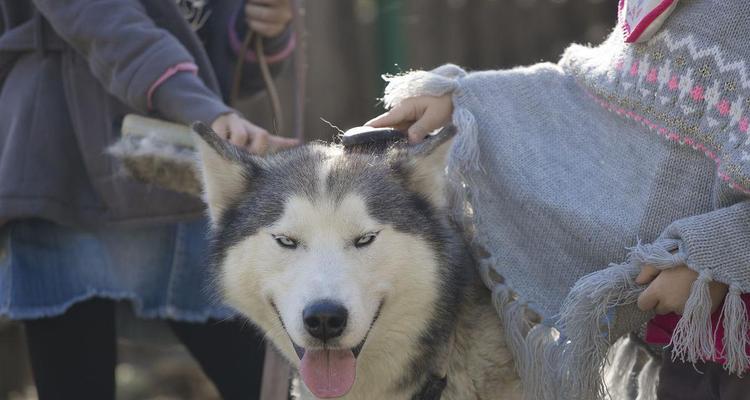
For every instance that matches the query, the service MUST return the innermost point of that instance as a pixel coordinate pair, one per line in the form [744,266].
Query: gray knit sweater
[577,173]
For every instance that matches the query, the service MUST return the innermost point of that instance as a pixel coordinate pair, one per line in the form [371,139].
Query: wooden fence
[344,54]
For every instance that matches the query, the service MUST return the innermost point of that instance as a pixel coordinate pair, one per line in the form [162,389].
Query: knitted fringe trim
[735,333]
[438,82]
[693,339]
[543,359]
[587,317]
[659,254]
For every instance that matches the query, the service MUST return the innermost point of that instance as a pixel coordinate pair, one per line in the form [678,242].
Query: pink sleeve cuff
[250,55]
[171,71]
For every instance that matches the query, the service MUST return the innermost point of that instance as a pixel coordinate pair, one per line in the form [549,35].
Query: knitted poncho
[570,176]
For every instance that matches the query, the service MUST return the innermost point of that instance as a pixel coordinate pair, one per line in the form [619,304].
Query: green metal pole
[390,38]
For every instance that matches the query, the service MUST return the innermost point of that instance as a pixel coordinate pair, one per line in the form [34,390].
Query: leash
[251,38]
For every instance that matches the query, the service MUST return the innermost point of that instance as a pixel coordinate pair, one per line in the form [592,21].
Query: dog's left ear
[428,161]
[226,171]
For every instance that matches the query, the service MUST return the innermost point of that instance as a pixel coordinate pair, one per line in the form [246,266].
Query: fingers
[406,112]
[269,14]
[268,18]
[276,143]
[422,115]
[648,300]
[258,138]
[267,29]
[647,274]
[238,135]
[246,135]
[433,118]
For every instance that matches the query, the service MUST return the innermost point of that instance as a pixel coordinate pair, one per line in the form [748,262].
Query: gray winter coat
[70,70]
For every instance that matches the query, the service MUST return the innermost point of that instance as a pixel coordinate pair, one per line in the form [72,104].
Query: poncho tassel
[735,332]
[693,339]
[588,311]
[534,346]
[438,82]
[665,253]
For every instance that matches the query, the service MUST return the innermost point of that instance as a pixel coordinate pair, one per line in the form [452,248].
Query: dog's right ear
[226,170]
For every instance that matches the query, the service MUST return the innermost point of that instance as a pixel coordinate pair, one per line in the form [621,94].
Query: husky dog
[348,262]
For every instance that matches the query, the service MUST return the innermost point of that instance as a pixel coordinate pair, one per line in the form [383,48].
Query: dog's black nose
[325,319]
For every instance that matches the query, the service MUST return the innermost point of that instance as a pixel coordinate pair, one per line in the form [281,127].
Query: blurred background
[345,47]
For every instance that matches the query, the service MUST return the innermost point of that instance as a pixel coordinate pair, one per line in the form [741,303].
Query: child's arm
[144,66]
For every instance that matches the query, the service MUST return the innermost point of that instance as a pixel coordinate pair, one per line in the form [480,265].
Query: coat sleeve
[135,60]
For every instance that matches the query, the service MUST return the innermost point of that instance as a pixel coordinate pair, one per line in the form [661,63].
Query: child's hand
[244,134]
[668,290]
[268,18]
[421,115]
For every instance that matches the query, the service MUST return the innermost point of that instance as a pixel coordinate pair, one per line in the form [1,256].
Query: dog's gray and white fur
[367,229]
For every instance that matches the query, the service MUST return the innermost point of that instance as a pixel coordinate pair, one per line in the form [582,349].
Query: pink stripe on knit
[672,136]
[181,67]
[236,44]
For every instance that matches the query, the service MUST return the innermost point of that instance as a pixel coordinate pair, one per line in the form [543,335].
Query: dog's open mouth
[330,372]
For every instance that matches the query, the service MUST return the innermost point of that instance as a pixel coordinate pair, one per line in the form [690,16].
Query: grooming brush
[158,152]
[366,138]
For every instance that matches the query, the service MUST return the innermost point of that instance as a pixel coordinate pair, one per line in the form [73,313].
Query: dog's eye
[285,241]
[365,239]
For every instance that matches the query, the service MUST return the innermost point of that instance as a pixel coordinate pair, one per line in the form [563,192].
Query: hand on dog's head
[226,168]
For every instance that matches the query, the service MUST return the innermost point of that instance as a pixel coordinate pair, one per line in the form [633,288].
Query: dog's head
[337,254]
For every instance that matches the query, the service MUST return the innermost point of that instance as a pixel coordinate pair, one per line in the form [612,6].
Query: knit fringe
[438,82]
[735,333]
[659,254]
[693,339]
[587,318]
[535,347]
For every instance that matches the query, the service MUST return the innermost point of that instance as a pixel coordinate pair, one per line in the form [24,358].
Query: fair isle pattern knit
[570,177]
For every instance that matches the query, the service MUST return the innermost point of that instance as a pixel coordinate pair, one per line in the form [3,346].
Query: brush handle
[167,132]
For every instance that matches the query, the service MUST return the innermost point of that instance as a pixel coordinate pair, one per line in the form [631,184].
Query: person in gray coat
[76,235]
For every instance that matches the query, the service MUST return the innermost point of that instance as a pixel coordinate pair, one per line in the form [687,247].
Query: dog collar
[432,388]
[436,382]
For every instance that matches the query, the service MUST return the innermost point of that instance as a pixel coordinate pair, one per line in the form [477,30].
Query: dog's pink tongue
[328,373]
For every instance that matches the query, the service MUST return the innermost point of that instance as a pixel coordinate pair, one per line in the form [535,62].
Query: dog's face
[335,254]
